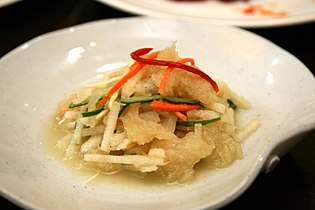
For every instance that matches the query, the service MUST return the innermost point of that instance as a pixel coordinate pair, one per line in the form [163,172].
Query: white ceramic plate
[36,75]
[216,12]
[4,3]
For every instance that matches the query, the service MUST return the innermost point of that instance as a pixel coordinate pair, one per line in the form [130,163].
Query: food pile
[160,115]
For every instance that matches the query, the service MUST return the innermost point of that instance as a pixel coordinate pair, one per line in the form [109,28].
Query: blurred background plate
[4,3]
[250,14]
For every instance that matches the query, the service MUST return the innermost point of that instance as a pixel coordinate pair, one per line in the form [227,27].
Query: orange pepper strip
[61,114]
[134,69]
[180,116]
[167,73]
[166,106]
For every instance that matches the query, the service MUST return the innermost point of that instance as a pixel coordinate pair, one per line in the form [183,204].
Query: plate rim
[259,23]
[254,173]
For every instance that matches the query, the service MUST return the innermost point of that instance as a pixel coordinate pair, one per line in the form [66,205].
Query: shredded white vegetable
[250,128]
[110,127]
[147,163]
[129,133]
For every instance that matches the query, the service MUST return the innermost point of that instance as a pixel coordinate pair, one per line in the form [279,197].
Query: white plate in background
[39,73]
[217,12]
[4,3]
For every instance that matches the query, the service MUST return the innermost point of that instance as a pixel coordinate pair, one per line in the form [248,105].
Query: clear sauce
[92,176]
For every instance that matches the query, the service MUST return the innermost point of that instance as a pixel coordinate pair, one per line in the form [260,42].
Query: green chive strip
[193,122]
[177,100]
[72,105]
[123,108]
[92,113]
[144,99]
[231,104]
[82,103]
[140,99]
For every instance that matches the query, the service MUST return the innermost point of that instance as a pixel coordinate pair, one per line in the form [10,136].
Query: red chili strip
[136,55]
[133,70]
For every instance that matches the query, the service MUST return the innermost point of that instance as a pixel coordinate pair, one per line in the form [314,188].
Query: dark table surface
[291,185]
